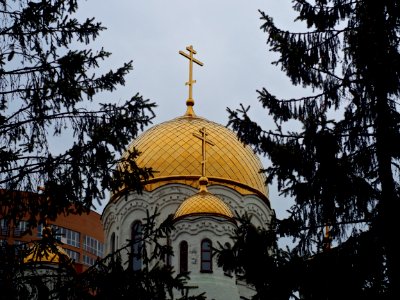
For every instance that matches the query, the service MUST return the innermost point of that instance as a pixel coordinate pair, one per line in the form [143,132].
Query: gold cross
[204,142]
[191,60]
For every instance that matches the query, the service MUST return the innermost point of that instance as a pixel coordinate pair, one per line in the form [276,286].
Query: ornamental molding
[196,225]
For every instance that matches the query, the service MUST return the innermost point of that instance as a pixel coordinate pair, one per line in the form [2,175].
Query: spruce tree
[48,79]
[342,166]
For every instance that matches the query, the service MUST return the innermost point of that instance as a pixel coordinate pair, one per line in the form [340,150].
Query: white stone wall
[119,216]
[194,230]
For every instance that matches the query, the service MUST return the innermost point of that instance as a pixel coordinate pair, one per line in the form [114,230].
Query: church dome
[203,203]
[173,151]
[37,254]
[42,253]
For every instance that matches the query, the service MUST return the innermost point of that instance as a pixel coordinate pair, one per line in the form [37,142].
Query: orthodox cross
[191,60]
[204,142]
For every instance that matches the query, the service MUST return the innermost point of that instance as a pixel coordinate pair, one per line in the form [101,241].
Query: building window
[167,258]
[93,246]
[67,236]
[206,256]
[20,246]
[137,244]
[183,257]
[20,229]
[39,230]
[87,260]
[75,256]
[4,227]
[228,272]
[72,237]
[112,242]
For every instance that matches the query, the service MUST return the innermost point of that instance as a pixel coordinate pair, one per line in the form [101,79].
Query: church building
[204,177]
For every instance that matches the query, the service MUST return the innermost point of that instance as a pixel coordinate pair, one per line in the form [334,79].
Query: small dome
[38,254]
[174,151]
[42,253]
[203,203]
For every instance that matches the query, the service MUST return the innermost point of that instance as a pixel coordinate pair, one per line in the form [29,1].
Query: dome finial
[190,101]
[189,108]
[203,182]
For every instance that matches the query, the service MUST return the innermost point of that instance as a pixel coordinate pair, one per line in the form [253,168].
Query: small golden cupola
[203,203]
[41,252]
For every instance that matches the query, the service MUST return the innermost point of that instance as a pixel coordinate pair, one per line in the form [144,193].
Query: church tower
[204,177]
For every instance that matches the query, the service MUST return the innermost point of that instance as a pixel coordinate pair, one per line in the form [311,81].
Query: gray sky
[227,37]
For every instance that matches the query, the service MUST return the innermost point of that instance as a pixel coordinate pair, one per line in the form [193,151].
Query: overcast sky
[227,37]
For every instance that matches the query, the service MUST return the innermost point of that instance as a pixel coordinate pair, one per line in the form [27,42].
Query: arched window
[137,244]
[168,256]
[227,272]
[183,257]
[206,256]
[112,242]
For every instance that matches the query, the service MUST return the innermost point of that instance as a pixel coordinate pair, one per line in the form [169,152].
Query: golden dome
[44,253]
[203,203]
[38,254]
[175,153]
